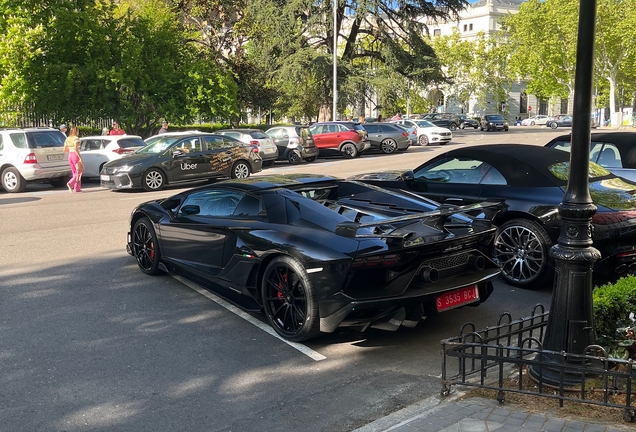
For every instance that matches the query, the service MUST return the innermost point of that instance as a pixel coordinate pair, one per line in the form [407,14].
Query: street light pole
[335,59]
[570,326]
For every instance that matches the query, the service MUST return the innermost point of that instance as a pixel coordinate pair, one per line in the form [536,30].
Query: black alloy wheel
[521,249]
[349,151]
[289,301]
[452,127]
[153,180]
[144,246]
[294,157]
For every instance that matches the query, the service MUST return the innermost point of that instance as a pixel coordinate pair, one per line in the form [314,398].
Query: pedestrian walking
[164,128]
[116,130]
[397,116]
[63,129]
[72,146]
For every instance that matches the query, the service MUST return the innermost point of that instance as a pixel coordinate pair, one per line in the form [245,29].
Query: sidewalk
[449,414]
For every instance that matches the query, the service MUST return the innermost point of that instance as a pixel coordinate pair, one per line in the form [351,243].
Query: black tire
[531,123]
[145,247]
[388,146]
[289,300]
[294,157]
[59,182]
[481,128]
[522,249]
[12,180]
[554,125]
[475,127]
[422,140]
[241,169]
[452,127]
[311,159]
[153,180]
[349,151]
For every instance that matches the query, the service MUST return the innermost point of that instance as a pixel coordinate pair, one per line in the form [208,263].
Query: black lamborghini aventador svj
[315,253]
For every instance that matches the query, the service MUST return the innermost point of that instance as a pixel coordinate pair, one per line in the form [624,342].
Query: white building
[484,16]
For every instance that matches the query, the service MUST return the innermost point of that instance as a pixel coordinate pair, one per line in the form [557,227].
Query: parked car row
[561,120]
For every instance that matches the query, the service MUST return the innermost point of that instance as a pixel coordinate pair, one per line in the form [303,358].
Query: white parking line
[247,317]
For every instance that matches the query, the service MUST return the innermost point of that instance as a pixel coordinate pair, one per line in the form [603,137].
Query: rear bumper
[34,172]
[310,152]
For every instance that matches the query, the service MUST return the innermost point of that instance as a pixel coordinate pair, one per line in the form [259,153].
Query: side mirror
[191,209]
[408,177]
[176,153]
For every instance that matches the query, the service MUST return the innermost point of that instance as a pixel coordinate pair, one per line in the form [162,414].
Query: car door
[327,136]
[188,160]
[195,237]
[222,152]
[92,153]
[450,177]
[374,134]
[281,139]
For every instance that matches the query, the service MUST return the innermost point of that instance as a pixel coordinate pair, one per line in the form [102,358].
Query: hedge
[612,305]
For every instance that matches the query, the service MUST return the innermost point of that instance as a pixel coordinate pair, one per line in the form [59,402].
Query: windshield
[158,145]
[424,123]
[561,170]
[495,117]
[258,135]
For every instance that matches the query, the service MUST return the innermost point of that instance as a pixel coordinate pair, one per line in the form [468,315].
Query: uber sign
[187,166]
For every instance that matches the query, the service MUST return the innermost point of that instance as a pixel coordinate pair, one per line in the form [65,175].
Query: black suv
[32,155]
[445,120]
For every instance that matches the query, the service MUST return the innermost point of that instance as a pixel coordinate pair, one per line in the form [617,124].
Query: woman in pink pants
[72,146]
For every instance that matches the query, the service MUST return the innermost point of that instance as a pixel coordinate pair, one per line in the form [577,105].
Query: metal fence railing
[500,357]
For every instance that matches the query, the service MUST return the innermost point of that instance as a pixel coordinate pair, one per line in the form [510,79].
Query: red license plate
[458,297]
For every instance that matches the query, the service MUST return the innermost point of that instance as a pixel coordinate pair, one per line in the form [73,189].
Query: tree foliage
[126,60]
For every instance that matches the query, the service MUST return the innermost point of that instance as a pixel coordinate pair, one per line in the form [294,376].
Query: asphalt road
[89,343]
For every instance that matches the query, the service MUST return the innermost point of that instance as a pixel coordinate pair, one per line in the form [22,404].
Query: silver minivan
[32,155]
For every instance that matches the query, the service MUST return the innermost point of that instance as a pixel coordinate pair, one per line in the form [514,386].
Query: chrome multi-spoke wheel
[144,246]
[521,249]
[153,180]
[240,170]
[388,146]
[288,300]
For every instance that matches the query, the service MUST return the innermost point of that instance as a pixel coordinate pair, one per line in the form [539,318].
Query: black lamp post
[571,326]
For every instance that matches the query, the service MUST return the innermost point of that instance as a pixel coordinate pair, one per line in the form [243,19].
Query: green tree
[126,60]
[615,52]
[541,43]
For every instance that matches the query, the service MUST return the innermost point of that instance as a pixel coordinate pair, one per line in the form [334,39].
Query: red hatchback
[334,137]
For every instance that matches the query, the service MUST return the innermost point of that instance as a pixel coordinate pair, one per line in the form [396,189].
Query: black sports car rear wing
[350,229]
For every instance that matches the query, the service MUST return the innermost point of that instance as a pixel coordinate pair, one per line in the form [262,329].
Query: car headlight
[125,168]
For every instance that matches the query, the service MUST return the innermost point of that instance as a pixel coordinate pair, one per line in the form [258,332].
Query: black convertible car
[530,181]
[316,253]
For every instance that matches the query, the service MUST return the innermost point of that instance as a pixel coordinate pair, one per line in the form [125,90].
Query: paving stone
[515,421]
[554,425]
[501,411]
[595,428]
[496,418]
[534,425]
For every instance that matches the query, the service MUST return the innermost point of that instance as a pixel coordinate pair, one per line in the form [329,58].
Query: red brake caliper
[280,285]
[152,250]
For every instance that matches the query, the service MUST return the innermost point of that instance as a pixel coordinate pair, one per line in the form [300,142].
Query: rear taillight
[609,218]
[30,159]
[414,132]
[626,254]
[254,149]
[405,134]
[376,261]
[254,143]
[123,150]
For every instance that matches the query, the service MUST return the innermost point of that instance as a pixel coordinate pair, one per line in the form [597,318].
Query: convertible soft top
[520,164]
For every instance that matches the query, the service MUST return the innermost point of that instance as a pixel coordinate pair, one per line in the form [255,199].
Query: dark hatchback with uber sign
[182,158]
